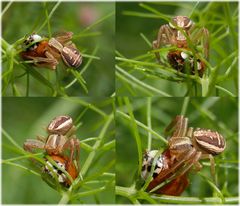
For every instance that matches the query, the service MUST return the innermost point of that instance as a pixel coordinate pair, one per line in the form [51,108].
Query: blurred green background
[219,114]
[23,18]
[25,118]
[134,19]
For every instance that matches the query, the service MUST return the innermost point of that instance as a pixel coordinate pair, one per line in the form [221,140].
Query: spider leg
[70,44]
[72,144]
[193,157]
[201,35]
[49,61]
[155,47]
[178,127]
[53,53]
[64,37]
[212,163]
[164,37]
[188,164]
[41,138]
[171,170]
[31,144]
[54,43]
[181,127]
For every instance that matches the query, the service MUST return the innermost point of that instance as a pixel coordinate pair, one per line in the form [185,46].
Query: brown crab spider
[175,33]
[60,138]
[47,53]
[187,146]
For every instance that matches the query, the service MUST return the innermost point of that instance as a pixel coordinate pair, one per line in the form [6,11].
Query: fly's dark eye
[155,175]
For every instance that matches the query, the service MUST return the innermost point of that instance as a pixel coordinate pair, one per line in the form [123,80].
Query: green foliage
[95,130]
[139,121]
[137,72]
[93,36]
[151,116]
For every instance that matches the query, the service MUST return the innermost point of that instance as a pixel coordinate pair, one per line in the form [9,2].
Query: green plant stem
[225,91]
[90,34]
[149,123]
[20,157]
[21,167]
[205,86]
[128,192]
[5,134]
[65,198]
[91,156]
[152,89]
[144,127]
[87,193]
[88,105]
[141,14]
[98,21]
[131,193]
[48,20]
[136,135]
[82,71]
[6,8]
[146,40]
[185,105]
[133,84]
[49,16]
[151,9]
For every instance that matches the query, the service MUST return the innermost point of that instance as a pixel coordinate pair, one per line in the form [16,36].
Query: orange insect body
[176,186]
[39,51]
[63,162]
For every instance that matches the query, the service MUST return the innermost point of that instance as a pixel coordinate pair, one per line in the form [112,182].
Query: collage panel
[177,48]
[120,102]
[61,150]
[164,146]
[58,49]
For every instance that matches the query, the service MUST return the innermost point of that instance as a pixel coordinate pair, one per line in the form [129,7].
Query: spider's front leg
[31,144]
[201,36]
[177,127]
[49,61]
[212,165]
[41,138]
[175,165]
[64,37]
[165,36]
[74,145]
